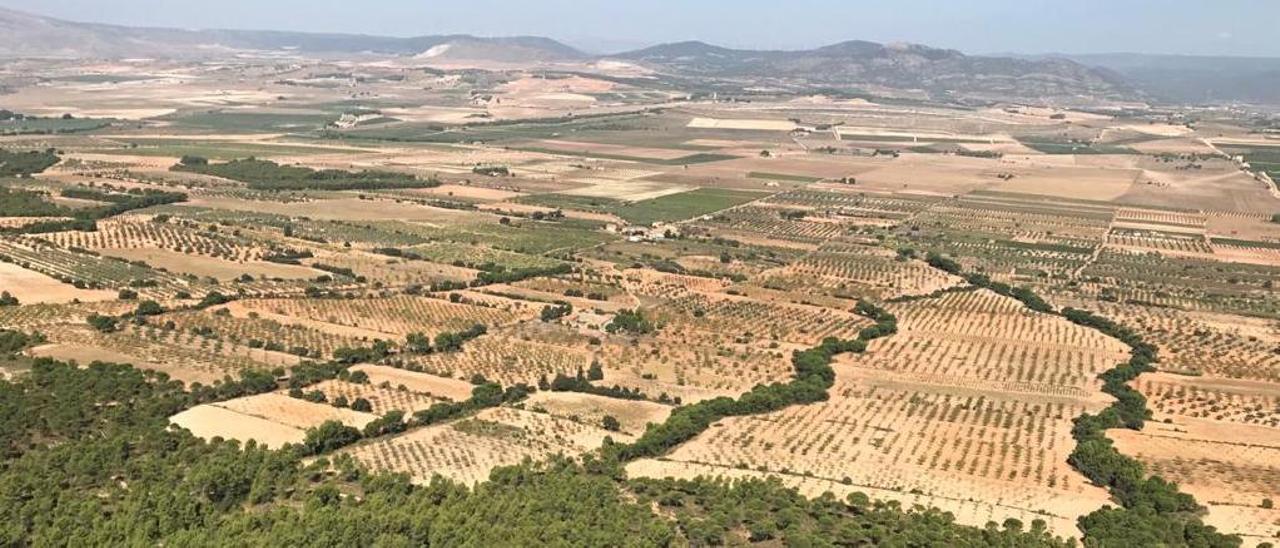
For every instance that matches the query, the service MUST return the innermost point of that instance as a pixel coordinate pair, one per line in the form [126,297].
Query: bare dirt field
[33,287]
[211,267]
[210,421]
[1077,183]
[633,416]
[1230,468]
[422,383]
[465,192]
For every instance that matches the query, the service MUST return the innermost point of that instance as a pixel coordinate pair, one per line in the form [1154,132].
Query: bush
[104,324]
[610,423]
[329,436]
[630,321]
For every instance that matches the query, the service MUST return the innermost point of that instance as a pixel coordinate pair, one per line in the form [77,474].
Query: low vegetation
[268,175]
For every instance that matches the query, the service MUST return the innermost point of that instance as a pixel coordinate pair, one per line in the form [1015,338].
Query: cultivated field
[496,264]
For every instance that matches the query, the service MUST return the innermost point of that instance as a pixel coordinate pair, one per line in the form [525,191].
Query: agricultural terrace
[1230,468]
[395,316]
[679,206]
[468,449]
[855,271]
[1205,344]
[272,419]
[183,355]
[967,408]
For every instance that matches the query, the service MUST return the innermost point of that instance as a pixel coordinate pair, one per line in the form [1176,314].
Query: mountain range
[848,65]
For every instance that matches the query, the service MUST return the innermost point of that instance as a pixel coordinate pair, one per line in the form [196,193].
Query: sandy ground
[210,421]
[634,416]
[294,412]
[343,209]
[33,287]
[440,387]
[204,266]
[1228,467]
[633,191]
[1257,228]
[765,125]
[85,355]
[467,193]
[572,84]
[1210,190]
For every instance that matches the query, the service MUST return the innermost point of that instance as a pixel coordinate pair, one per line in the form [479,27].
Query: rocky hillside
[908,66]
[26,35]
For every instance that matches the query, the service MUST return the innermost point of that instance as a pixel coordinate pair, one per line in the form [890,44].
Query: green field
[52,125]
[489,132]
[1076,148]
[474,256]
[215,150]
[686,205]
[253,121]
[571,201]
[783,177]
[673,207]
[699,158]
[523,236]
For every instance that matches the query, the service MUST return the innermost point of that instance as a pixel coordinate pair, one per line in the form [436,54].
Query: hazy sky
[1216,27]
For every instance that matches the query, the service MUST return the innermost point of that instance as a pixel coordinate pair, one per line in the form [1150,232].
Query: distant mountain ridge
[27,35]
[903,66]
[1190,78]
[853,65]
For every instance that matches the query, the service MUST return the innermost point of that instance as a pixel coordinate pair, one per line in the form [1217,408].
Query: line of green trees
[26,203]
[1028,297]
[88,458]
[490,272]
[813,377]
[268,175]
[1152,512]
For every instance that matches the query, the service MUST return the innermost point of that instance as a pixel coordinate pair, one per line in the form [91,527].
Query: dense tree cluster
[451,341]
[370,354]
[496,274]
[87,458]
[119,202]
[551,313]
[28,203]
[23,164]
[492,171]
[12,342]
[23,203]
[581,383]
[485,394]
[1152,511]
[268,175]
[630,321]
[1028,297]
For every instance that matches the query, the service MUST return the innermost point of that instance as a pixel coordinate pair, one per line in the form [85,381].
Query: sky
[1197,27]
